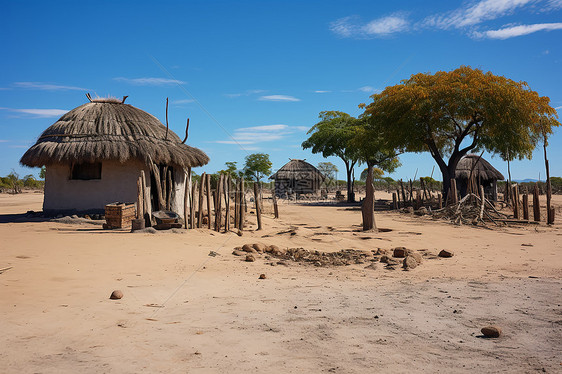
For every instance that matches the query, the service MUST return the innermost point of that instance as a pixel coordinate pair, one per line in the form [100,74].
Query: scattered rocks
[401,252]
[237,252]
[445,253]
[408,209]
[409,263]
[259,247]
[372,266]
[384,259]
[491,331]
[417,256]
[262,276]
[116,295]
[250,258]
[248,248]
[421,211]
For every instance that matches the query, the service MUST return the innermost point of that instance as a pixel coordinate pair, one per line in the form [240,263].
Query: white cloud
[149,81]
[278,98]
[39,113]
[259,134]
[321,91]
[558,107]
[47,86]
[184,101]
[367,89]
[475,13]
[245,93]
[352,27]
[4,141]
[513,31]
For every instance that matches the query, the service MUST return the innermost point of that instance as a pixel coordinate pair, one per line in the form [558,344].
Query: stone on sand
[262,276]
[250,258]
[491,331]
[238,252]
[409,263]
[116,295]
[445,253]
[248,248]
[259,247]
[401,252]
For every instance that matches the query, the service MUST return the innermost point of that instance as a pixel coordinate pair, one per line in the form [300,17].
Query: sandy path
[186,311]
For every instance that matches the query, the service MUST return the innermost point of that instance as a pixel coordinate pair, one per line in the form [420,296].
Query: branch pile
[471,210]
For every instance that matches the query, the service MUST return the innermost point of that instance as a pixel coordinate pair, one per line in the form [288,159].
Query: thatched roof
[298,169]
[482,171]
[107,129]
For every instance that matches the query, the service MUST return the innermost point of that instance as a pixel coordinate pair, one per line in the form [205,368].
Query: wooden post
[208,193]
[439,201]
[169,189]
[398,197]
[200,202]
[163,177]
[147,205]
[192,219]
[536,204]
[227,203]
[425,194]
[514,194]
[403,193]
[482,202]
[237,204]
[275,206]
[551,215]
[526,206]
[242,204]
[186,199]
[140,202]
[158,180]
[257,203]
[394,201]
[411,191]
[454,196]
[218,207]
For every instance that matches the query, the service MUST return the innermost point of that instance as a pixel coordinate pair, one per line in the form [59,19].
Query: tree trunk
[368,208]
[350,197]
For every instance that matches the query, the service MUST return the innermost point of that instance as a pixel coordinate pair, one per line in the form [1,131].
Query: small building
[483,172]
[297,177]
[94,155]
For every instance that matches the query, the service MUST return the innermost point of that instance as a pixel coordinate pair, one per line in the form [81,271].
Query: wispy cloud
[475,13]
[259,134]
[183,101]
[245,93]
[321,91]
[519,30]
[47,86]
[4,141]
[149,81]
[278,98]
[558,107]
[368,89]
[39,113]
[353,27]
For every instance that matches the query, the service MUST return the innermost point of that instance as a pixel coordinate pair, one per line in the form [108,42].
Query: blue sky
[252,76]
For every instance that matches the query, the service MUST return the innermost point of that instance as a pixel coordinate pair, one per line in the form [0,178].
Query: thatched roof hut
[483,172]
[297,177]
[95,152]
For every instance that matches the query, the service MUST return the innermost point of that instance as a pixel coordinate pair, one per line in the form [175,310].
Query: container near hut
[119,215]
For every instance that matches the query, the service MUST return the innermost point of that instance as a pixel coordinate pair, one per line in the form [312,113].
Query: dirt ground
[189,305]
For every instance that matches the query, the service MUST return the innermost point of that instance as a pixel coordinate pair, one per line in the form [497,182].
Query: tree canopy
[452,113]
[257,166]
[329,171]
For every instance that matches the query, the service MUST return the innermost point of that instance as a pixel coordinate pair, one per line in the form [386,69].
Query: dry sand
[185,311]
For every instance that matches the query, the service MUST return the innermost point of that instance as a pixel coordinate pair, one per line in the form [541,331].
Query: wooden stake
[200,202]
[169,191]
[227,203]
[275,206]
[394,201]
[439,201]
[140,202]
[257,203]
[237,204]
[242,206]
[403,193]
[161,202]
[454,196]
[208,192]
[192,220]
[536,204]
[514,194]
[218,207]
[186,199]
[398,197]
[526,206]
[551,215]
[483,199]
[147,204]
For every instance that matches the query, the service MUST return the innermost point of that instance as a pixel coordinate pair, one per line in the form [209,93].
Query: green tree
[329,171]
[452,113]
[331,137]
[230,169]
[42,172]
[377,174]
[257,166]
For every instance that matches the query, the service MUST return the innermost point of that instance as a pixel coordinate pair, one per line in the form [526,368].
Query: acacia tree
[373,150]
[331,137]
[329,171]
[257,166]
[452,113]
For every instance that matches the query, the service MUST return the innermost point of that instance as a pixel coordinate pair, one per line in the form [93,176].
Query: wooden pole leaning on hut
[208,193]
[140,199]
[192,219]
[169,190]
[257,203]
[200,202]
[146,200]
[186,198]
[536,204]
[158,179]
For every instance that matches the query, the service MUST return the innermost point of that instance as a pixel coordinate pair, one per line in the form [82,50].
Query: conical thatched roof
[482,171]
[298,169]
[107,129]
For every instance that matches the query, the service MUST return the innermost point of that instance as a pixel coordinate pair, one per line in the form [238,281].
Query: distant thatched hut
[484,174]
[95,153]
[297,177]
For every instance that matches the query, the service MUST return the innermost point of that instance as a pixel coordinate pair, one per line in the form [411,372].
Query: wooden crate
[119,215]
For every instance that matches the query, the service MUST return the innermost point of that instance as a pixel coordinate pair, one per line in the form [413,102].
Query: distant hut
[484,174]
[94,155]
[297,177]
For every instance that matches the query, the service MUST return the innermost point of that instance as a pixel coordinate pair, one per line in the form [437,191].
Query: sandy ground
[184,311]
